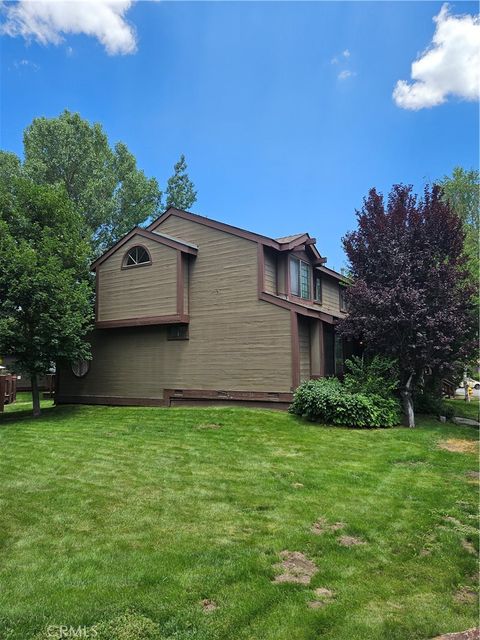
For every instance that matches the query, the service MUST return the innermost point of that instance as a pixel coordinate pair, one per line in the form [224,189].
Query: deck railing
[8,390]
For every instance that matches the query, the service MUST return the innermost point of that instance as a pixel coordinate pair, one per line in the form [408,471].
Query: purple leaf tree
[410,297]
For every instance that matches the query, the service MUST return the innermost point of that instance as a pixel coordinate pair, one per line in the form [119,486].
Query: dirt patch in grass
[469,634]
[468,546]
[350,541]
[322,526]
[465,595]
[458,446]
[474,475]
[295,568]
[323,597]
[208,606]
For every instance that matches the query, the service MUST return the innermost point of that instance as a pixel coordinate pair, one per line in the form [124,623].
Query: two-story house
[194,310]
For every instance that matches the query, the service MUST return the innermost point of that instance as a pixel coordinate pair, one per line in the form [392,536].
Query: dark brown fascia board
[298,308]
[237,231]
[333,274]
[144,233]
[177,318]
[214,224]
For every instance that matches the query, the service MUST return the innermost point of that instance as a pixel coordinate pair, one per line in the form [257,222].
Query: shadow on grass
[53,413]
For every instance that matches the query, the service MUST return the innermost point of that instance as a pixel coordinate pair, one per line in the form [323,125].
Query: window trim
[317,277]
[342,289]
[141,264]
[310,278]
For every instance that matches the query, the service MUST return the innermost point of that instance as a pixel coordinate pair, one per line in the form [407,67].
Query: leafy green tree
[180,192]
[45,298]
[462,191]
[104,184]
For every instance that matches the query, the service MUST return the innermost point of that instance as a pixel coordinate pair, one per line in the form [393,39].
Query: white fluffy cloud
[450,66]
[46,21]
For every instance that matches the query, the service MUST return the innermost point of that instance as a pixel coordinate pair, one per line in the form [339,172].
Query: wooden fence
[8,390]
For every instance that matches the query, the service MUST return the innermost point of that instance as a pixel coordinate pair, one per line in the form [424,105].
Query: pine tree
[180,190]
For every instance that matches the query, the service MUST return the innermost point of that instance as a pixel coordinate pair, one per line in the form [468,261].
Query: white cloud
[450,66]
[337,59]
[25,64]
[46,21]
[346,73]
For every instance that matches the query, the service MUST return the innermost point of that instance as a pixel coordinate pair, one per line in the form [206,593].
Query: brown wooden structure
[195,310]
[8,390]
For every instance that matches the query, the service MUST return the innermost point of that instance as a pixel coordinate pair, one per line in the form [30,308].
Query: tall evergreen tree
[411,296]
[180,191]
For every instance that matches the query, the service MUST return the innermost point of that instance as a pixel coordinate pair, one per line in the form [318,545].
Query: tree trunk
[407,401]
[35,396]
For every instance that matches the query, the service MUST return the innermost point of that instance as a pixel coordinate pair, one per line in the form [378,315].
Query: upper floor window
[342,290]
[137,256]
[300,278]
[318,293]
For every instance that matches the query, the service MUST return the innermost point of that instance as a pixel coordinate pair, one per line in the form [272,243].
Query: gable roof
[287,239]
[161,238]
[281,244]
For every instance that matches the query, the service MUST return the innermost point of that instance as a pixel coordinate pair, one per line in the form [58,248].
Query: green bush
[432,405]
[378,376]
[330,402]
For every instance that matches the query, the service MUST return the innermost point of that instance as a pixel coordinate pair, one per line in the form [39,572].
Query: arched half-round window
[137,256]
[80,368]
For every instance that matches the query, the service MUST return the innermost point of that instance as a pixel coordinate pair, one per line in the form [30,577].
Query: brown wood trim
[295,350]
[180,285]
[97,293]
[214,224]
[140,322]
[144,233]
[332,273]
[176,396]
[322,351]
[298,308]
[214,394]
[294,244]
[111,400]
[134,266]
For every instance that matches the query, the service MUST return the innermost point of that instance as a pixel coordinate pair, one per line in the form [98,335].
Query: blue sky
[275,140]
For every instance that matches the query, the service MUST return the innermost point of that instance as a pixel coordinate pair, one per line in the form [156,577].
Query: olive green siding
[304,348]
[270,278]
[330,294]
[138,292]
[236,342]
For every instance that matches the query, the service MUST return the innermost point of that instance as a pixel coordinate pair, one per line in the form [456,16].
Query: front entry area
[318,349]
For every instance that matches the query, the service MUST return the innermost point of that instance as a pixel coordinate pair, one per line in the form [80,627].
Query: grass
[108,510]
[465,409]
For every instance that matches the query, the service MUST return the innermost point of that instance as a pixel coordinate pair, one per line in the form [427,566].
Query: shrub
[432,405]
[328,401]
[378,376]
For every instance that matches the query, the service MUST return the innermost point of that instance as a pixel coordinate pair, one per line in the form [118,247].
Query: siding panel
[236,342]
[139,291]
[270,279]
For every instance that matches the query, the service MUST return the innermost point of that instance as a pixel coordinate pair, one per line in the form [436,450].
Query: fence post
[2,392]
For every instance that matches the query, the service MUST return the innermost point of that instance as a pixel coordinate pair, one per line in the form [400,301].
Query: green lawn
[105,510]
[465,409]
